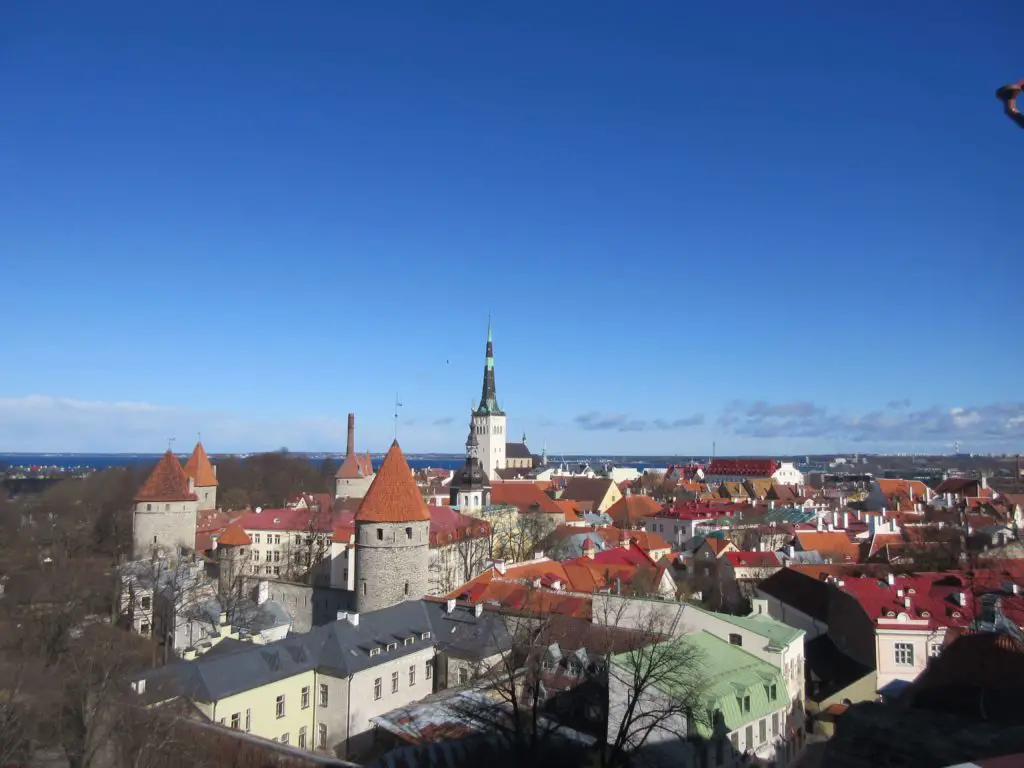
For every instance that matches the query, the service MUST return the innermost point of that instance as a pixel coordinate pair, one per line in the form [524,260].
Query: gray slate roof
[338,648]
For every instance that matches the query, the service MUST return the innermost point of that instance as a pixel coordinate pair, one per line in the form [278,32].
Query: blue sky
[780,227]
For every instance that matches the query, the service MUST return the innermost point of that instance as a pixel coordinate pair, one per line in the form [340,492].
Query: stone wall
[391,565]
[165,529]
[307,606]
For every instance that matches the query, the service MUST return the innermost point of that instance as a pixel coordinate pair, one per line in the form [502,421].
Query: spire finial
[199,437]
[488,326]
[169,441]
[398,405]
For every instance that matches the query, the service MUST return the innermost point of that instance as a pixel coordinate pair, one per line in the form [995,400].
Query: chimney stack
[351,446]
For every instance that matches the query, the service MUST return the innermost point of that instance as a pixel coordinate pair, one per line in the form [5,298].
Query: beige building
[601,492]
[319,691]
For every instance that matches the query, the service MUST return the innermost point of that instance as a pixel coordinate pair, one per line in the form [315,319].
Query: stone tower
[489,420]
[392,538]
[164,518]
[353,478]
[204,477]
[470,489]
[232,557]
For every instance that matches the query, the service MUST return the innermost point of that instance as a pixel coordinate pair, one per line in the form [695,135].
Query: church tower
[164,518]
[489,420]
[204,477]
[392,538]
[470,488]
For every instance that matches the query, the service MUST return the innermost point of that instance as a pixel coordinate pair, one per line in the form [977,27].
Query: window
[256,538]
[429,669]
[277,570]
[363,581]
[380,534]
[762,731]
[904,653]
[285,738]
[407,588]
[302,737]
[773,692]
[376,689]
[735,639]
[321,735]
[394,682]
[375,651]
[746,703]
[277,556]
[255,569]
[149,508]
[167,507]
[463,675]
[146,602]
[424,636]
[408,533]
[256,555]
[749,737]
[280,707]
[277,538]
[409,641]
[248,720]
[305,697]
[392,646]
[775,724]
[236,720]
[144,628]
[323,694]
[412,675]
[934,649]
[268,570]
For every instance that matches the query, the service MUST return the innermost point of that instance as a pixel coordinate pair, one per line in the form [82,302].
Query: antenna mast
[398,405]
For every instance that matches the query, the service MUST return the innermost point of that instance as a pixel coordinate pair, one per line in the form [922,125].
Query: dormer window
[911,591]
[392,646]
[891,614]
[424,636]
[408,641]
[926,614]
[956,614]
[375,651]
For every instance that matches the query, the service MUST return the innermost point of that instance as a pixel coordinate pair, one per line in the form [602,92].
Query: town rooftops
[339,648]
[773,630]
[393,496]
[632,510]
[199,468]
[167,482]
[803,592]
[742,559]
[525,496]
[234,536]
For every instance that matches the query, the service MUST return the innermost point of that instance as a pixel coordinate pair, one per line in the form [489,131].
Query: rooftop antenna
[398,405]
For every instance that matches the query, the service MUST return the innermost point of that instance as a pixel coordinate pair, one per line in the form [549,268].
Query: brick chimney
[351,446]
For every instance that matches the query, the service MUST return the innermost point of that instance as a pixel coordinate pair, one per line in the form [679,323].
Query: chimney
[353,619]
[262,592]
[342,615]
[890,578]
[791,551]
[819,522]
[846,520]
[139,686]
[961,599]
[214,469]
[449,605]
[478,610]
[984,481]
[189,654]
[499,566]
[222,618]
[906,602]
[538,554]
[625,542]
[350,448]
[771,504]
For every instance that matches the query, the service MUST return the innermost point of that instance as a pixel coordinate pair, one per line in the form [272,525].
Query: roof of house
[648,540]
[717,544]
[517,451]
[287,519]
[199,468]
[449,527]
[526,497]
[733,489]
[832,542]
[167,482]
[730,673]
[355,466]
[745,559]
[764,625]
[631,509]
[393,496]
[908,489]
[758,486]
[743,467]
[234,536]
[593,489]
[338,648]
[800,591]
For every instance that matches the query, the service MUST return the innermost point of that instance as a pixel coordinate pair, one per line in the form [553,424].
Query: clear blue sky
[782,227]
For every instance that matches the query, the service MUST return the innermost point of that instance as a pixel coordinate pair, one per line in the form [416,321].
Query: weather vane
[169,441]
[398,405]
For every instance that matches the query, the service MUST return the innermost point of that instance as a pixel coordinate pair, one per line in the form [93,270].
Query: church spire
[489,397]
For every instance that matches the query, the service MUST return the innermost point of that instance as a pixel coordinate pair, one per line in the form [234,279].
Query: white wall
[923,642]
[491,436]
[363,704]
[787,474]
[164,525]
[792,617]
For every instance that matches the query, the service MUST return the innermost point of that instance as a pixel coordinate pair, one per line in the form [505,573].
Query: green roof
[775,631]
[732,675]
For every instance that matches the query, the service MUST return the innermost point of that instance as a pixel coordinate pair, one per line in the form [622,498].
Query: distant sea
[79,461]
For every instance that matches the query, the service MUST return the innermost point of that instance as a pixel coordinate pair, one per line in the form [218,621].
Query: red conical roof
[234,536]
[393,496]
[167,482]
[199,468]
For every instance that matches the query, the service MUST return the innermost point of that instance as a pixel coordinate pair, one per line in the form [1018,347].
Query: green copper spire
[489,397]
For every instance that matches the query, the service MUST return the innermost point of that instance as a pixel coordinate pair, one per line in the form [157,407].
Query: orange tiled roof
[199,468]
[234,536]
[836,542]
[629,510]
[526,497]
[568,508]
[647,540]
[717,545]
[393,496]
[167,482]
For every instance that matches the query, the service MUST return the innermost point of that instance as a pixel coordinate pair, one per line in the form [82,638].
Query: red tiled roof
[743,467]
[393,496]
[234,536]
[977,660]
[198,467]
[828,542]
[908,489]
[355,466]
[526,497]
[743,559]
[702,510]
[449,527]
[167,482]
[632,510]
[647,540]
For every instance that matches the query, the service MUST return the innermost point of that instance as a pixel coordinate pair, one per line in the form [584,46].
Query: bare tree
[465,558]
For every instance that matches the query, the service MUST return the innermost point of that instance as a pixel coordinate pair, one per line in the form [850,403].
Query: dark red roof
[234,536]
[449,527]
[743,467]
[753,559]
[167,482]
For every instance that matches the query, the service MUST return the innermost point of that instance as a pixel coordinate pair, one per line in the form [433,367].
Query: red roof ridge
[167,482]
[393,496]
[199,468]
